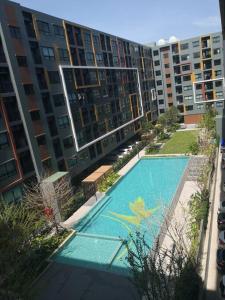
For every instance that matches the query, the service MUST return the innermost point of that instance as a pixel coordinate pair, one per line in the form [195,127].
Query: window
[35,115]
[199,97]
[57,148]
[63,121]
[166,66]
[4,143]
[155,52]
[198,76]
[58,30]
[187,88]
[196,54]
[217,62]
[90,58]
[195,44]
[68,142]
[28,89]
[169,95]
[185,57]
[197,66]
[99,58]
[184,46]
[218,83]
[188,97]
[165,55]
[216,39]
[199,105]
[167,75]
[43,27]
[13,195]
[189,107]
[168,85]
[7,170]
[186,78]
[46,102]
[63,54]
[41,78]
[157,63]
[160,92]
[48,53]
[15,32]
[161,101]
[158,73]
[58,100]
[186,68]
[216,51]
[22,61]
[219,94]
[159,82]
[53,77]
[92,152]
[218,73]
[5,81]
[161,111]
[219,104]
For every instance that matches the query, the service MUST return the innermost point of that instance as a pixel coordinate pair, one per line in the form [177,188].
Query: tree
[47,199]
[17,227]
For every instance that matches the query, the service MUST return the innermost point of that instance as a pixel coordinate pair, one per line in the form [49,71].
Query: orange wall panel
[192,119]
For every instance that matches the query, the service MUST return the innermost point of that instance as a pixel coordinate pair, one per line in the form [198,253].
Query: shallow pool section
[136,202]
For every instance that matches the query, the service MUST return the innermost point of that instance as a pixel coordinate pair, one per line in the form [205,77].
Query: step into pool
[135,203]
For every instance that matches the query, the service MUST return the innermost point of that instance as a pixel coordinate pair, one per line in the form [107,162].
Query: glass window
[188,97]
[13,195]
[4,143]
[48,53]
[63,54]
[166,66]
[58,30]
[156,52]
[187,88]
[58,100]
[43,27]
[196,54]
[159,82]
[68,142]
[216,51]
[22,61]
[63,121]
[158,73]
[184,46]
[197,66]
[218,73]
[185,57]
[157,63]
[53,77]
[195,43]
[186,68]
[217,62]
[216,39]
[15,32]
[7,170]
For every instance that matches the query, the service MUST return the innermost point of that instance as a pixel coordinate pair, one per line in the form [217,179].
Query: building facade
[53,117]
[178,65]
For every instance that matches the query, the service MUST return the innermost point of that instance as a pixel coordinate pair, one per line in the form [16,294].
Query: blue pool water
[136,202]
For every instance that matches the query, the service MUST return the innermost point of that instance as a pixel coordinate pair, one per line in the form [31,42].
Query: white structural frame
[61,67]
[208,80]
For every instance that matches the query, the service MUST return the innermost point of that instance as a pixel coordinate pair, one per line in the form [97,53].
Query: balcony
[44,152]
[38,128]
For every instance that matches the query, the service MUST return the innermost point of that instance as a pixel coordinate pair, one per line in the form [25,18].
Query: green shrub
[163,136]
[194,148]
[151,149]
[108,182]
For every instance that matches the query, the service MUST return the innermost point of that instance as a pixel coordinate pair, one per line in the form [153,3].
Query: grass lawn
[180,142]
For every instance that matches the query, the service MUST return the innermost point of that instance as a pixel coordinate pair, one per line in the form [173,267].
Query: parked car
[222,206]
[220,259]
[222,238]
[222,286]
[221,220]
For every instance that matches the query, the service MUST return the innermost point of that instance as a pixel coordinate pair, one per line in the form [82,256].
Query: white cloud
[211,21]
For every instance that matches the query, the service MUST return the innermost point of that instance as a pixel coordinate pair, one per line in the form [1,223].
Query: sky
[142,21]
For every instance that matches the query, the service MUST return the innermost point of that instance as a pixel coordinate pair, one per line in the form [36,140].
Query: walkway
[212,275]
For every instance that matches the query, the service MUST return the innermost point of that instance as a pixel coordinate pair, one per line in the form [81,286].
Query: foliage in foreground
[162,274]
[24,245]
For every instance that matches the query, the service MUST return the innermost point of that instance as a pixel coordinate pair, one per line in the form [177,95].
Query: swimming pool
[135,202]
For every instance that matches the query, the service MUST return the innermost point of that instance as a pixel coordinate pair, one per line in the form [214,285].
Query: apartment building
[54,117]
[189,74]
